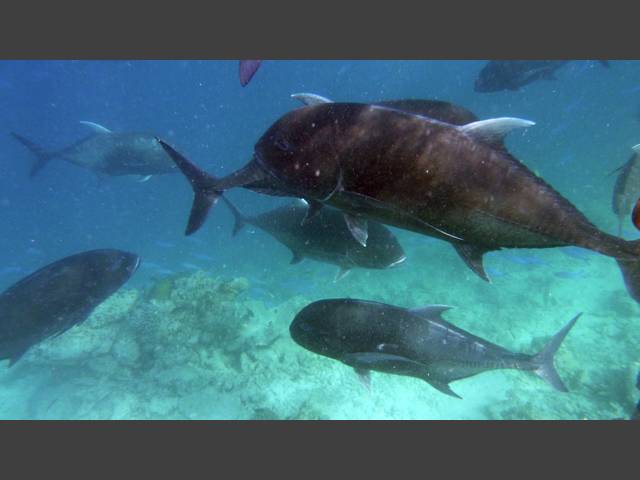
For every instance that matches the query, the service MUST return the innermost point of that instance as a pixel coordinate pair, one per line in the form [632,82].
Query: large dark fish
[627,188]
[416,173]
[415,343]
[109,153]
[499,75]
[55,298]
[248,69]
[325,237]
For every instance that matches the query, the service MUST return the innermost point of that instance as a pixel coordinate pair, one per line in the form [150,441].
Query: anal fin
[472,256]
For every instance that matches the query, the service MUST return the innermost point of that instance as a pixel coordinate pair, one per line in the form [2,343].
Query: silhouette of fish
[248,69]
[499,75]
[325,237]
[107,152]
[415,343]
[60,295]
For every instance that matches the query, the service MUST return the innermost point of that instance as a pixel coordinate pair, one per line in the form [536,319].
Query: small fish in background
[528,260]
[164,244]
[626,190]
[107,153]
[570,274]
[579,253]
[10,270]
[415,343]
[248,69]
[58,296]
[499,75]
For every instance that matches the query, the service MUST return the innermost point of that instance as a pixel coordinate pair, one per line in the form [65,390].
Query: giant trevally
[456,183]
[499,75]
[325,237]
[58,296]
[109,153]
[416,343]
[627,188]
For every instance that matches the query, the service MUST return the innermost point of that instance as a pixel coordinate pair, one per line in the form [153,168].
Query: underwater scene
[315,240]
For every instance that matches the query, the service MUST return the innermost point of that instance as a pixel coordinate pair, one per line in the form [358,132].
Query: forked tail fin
[42,156]
[543,361]
[201,182]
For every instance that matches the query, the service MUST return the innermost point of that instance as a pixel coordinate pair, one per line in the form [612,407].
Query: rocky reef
[197,346]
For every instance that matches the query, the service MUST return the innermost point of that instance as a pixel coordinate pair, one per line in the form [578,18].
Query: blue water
[586,122]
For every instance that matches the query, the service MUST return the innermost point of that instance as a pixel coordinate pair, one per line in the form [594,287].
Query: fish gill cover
[202,328]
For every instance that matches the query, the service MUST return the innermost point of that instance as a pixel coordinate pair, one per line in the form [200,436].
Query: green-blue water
[201,330]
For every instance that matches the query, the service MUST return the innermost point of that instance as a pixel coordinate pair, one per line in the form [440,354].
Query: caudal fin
[42,156]
[201,182]
[240,219]
[543,361]
[630,269]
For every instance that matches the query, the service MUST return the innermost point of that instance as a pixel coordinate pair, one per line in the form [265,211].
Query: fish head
[299,151]
[335,327]
[111,268]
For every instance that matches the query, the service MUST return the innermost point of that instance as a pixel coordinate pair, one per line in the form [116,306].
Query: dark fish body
[417,343]
[109,153]
[455,183]
[499,75]
[325,237]
[58,296]
[627,188]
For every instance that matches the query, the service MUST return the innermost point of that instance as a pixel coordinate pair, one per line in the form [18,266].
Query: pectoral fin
[358,228]
[341,273]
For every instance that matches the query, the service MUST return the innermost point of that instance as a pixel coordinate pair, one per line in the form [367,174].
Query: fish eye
[282,144]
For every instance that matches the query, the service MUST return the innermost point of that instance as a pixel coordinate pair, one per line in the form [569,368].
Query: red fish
[635,215]
[248,68]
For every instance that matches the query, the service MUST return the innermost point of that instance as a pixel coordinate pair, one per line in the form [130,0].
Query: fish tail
[630,268]
[543,361]
[42,156]
[239,218]
[201,182]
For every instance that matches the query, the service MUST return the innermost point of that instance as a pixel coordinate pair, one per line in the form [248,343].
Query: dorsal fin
[431,311]
[95,127]
[636,148]
[494,130]
[310,98]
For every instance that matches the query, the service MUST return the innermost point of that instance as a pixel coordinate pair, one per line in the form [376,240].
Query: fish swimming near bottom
[415,343]
[324,237]
[60,295]
[109,153]
[627,188]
